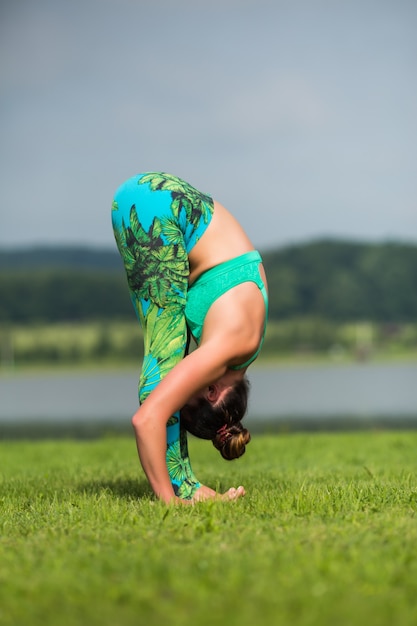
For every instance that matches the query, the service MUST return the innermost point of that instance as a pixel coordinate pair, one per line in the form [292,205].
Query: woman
[190,267]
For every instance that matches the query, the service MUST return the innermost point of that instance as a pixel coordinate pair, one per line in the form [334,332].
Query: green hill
[343,280]
[335,280]
[62,257]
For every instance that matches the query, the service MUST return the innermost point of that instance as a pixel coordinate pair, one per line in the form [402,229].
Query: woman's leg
[157,272]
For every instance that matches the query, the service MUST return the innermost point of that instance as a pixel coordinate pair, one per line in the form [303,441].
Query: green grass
[326,535]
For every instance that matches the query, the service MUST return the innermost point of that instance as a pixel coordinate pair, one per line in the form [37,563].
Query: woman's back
[224,239]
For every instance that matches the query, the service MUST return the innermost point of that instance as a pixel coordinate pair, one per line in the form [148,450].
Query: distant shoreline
[263,362]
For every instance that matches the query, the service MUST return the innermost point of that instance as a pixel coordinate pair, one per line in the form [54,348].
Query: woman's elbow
[142,423]
[137,421]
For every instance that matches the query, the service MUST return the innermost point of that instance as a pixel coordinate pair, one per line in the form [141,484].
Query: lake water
[358,390]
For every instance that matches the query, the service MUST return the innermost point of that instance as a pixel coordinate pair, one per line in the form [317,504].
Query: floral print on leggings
[154,229]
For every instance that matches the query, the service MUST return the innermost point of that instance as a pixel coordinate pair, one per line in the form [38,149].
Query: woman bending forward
[191,269]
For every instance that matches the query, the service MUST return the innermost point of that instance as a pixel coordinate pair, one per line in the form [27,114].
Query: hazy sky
[299,115]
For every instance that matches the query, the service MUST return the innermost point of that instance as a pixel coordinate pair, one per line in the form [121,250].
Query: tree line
[334,280]
[344,281]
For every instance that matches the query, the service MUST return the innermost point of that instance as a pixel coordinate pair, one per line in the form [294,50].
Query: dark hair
[221,422]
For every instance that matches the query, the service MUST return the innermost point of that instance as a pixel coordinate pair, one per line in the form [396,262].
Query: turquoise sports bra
[214,283]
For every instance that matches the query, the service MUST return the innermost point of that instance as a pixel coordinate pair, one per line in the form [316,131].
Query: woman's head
[221,421]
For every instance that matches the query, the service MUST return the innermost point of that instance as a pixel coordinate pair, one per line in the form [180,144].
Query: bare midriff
[223,240]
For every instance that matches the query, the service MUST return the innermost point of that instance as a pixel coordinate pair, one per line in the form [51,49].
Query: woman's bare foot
[205,493]
[234,494]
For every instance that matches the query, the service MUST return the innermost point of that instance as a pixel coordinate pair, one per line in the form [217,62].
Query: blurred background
[299,116]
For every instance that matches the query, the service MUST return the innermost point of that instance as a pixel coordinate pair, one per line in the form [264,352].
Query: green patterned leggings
[157,219]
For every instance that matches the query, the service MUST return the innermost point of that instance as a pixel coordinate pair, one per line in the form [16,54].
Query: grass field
[326,535]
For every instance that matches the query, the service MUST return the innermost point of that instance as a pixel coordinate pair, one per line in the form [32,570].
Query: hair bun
[231,441]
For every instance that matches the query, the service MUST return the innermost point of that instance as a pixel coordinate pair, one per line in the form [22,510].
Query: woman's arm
[193,373]
[151,444]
